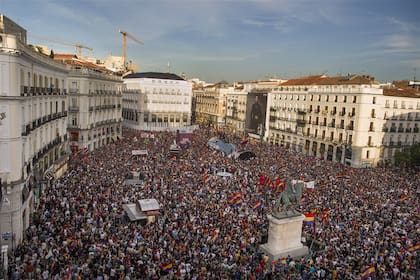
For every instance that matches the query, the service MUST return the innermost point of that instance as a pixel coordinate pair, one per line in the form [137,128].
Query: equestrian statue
[288,200]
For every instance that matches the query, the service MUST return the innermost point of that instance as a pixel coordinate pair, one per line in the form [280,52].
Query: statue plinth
[284,238]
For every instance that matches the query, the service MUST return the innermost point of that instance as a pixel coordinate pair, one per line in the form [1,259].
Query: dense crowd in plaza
[366,220]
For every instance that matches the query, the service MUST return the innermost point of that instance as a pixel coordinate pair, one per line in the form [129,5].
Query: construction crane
[78,46]
[124,42]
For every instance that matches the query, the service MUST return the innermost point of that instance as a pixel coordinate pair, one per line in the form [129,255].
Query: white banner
[310,185]
[138,152]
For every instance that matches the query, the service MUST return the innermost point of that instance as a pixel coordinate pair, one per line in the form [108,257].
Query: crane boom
[63,42]
[124,42]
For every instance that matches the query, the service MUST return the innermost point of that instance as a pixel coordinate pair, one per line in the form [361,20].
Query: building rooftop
[71,59]
[325,80]
[154,75]
[402,92]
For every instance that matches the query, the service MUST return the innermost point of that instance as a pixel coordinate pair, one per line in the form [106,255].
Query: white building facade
[95,105]
[210,104]
[156,101]
[343,119]
[33,105]
[236,110]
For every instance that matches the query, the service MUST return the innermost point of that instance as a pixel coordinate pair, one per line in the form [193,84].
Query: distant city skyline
[236,40]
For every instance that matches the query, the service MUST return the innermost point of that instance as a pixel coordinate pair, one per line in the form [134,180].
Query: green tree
[408,157]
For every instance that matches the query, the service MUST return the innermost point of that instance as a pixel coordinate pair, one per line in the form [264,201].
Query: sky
[236,40]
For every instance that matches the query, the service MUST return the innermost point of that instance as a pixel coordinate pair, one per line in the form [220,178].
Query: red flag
[262,179]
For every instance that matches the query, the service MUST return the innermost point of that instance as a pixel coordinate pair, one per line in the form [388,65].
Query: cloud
[401,38]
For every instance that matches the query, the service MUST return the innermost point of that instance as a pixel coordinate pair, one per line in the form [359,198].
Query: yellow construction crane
[78,46]
[124,42]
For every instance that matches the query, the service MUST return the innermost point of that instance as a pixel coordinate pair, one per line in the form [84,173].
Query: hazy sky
[236,40]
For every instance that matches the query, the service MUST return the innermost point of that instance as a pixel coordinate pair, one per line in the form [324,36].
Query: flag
[166,267]
[403,197]
[279,185]
[283,261]
[262,179]
[368,272]
[235,197]
[238,202]
[325,214]
[215,235]
[206,178]
[309,218]
[344,176]
[257,205]
[414,248]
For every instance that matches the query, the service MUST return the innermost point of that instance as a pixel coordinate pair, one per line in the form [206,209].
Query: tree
[408,157]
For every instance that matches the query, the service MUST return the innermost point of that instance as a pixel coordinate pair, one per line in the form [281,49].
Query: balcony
[416,129]
[408,130]
[301,123]
[340,126]
[393,129]
[301,112]
[385,129]
[349,127]
[400,129]
[333,113]
[342,114]
[331,125]
[74,108]
[371,129]
[351,115]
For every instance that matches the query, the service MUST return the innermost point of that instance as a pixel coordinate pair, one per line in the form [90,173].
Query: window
[374,100]
[372,113]
[371,127]
[367,154]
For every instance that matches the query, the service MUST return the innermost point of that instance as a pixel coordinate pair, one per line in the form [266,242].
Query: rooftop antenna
[169,67]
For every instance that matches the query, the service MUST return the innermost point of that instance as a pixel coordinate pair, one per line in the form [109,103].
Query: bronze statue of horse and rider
[288,200]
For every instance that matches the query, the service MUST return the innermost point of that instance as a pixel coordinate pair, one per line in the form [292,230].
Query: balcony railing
[341,126]
[301,122]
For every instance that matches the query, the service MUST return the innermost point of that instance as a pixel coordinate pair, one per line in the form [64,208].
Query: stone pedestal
[284,238]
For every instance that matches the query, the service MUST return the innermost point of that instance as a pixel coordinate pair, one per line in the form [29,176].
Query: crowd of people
[209,226]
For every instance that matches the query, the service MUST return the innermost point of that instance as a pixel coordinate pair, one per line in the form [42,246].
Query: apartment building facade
[341,119]
[95,104]
[236,102]
[210,104]
[33,106]
[155,101]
